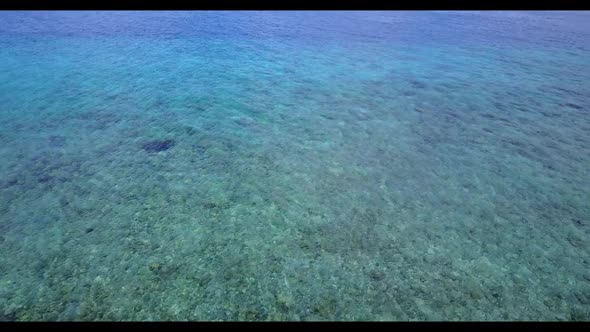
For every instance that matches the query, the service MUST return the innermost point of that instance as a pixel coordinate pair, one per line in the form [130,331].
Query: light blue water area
[294,165]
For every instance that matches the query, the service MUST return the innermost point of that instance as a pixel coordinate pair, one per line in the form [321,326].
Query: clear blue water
[294,165]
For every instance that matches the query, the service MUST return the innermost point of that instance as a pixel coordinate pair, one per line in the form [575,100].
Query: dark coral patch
[574,106]
[8,183]
[158,145]
[416,84]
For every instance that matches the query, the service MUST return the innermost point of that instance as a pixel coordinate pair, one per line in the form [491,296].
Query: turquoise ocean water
[294,165]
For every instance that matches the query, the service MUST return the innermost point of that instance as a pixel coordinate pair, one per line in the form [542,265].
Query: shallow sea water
[294,165]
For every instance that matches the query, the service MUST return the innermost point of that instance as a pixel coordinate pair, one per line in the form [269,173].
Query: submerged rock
[574,106]
[416,84]
[158,145]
